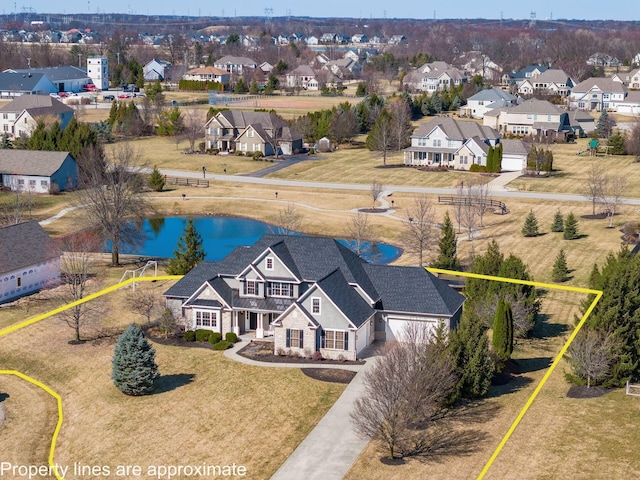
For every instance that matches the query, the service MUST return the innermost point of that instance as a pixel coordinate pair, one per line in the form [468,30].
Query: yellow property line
[39,318]
[563,350]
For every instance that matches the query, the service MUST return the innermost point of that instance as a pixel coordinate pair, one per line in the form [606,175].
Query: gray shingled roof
[413,290]
[605,84]
[18,82]
[492,95]
[514,147]
[553,75]
[31,162]
[541,107]
[193,280]
[42,104]
[23,245]
[346,298]
[456,129]
[56,74]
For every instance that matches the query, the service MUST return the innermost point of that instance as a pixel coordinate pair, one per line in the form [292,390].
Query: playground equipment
[140,272]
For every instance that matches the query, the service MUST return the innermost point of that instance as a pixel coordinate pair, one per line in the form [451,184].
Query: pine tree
[469,344]
[558,222]
[189,252]
[570,227]
[490,159]
[497,160]
[447,258]
[530,228]
[5,142]
[560,271]
[134,369]
[503,331]
[156,180]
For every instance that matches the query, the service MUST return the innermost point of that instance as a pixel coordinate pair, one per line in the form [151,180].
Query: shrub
[280,351]
[202,335]
[312,151]
[215,337]
[201,146]
[189,336]
[222,345]
[248,154]
[477,168]
[257,155]
[231,337]
[239,153]
[317,356]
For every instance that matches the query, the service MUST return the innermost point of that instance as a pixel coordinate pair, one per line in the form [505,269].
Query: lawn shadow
[3,396]
[544,329]
[516,382]
[444,443]
[166,383]
[526,365]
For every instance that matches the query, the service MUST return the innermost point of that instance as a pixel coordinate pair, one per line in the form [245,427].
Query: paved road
[502,193]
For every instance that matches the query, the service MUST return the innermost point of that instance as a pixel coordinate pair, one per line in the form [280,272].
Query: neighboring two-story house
[247,131]
[312,294]
[532,117]
[597,94]
[485,100]
[549,82]
[433,77]
[157,70]
[21,115]
[449,142]
[235,65]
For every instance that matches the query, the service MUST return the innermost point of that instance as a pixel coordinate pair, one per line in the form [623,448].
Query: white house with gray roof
[485,100]
[532,117]
[312,294]
[597,94]
[21,115]
[433,77]
[65,78]
[439,141]
[29,260]
[235,65]
[38,171]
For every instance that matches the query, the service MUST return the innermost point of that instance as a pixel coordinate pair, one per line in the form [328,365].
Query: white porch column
[260,326]
[235,328]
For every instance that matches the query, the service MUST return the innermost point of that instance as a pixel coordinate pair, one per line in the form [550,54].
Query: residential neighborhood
[408,247]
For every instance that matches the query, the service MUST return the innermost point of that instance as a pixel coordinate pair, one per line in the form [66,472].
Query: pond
[220,235]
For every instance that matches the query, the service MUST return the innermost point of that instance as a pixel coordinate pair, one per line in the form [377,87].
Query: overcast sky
[544,9]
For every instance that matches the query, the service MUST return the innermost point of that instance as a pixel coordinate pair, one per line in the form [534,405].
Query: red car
[63,94]
[124,95]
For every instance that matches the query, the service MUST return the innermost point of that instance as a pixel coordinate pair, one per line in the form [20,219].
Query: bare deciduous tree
[288,220]
[143,303]
[193,127]
[481,193]
[612,190]
[359,232]
[16,208]
[401,127]
[381,138]
[592,353]
[404,393]
[76,267]
[418,226]
[112,198]
[376,191]
[592,189]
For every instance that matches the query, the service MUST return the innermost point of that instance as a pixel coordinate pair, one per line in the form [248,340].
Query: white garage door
[513,164]
[395,328]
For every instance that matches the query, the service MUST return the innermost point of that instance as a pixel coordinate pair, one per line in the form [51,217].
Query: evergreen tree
[134,369]
[570,227]
[497,160]
[530,228]
[560,271]
[240,87]
[558,222]
[469,344]
[253,89]
[490,160]
[189,252]
[503,331]
[447,258]
[5,142]
[604,126]
[156,180]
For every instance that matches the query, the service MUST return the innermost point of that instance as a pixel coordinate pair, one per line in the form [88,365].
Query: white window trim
[266,263]
[334,332]
[313,300]
[213,319]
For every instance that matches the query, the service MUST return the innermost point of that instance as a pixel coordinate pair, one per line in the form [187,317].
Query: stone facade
[296,320]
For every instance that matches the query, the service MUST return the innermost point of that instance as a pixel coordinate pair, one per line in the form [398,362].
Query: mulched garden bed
[333,375]
[373,210]
[263,352]
[576,391]
[174,340]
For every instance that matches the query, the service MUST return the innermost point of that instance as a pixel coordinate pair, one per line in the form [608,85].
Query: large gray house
[312,294]
[246,131]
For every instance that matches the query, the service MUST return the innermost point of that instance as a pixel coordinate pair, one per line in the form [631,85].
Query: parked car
[124,95]
[63,94]
[89,87]
[108,97]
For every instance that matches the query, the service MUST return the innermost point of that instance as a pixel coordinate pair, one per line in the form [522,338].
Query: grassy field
[571,171]
[358,165]
[213,410]
[560,437]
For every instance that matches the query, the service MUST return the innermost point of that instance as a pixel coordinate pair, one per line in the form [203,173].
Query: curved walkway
[324,455]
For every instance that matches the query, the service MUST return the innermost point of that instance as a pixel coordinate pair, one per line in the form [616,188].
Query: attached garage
[514,155]
[396,325]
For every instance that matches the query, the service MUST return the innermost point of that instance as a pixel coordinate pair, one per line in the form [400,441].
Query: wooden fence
[495,205]
[187,182]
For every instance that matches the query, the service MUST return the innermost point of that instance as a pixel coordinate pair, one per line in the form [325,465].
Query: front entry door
[253,321]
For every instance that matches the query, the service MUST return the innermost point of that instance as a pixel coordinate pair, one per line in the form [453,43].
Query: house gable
[272,266]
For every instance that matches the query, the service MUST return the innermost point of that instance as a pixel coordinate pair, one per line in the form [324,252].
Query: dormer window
[251,287]
[269,263]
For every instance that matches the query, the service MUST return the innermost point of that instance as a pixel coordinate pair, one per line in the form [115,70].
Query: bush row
[214,338]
